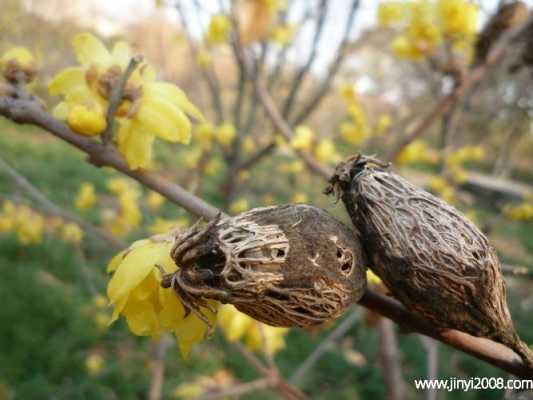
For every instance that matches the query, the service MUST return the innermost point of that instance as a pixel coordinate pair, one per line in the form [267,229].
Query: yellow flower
[352,134]
[201,385]
[303,138]
[204,59]
[226,134]
[100,301]
[325,151]
[86,197]
[21,219]
[101,319]
[188,391]
[256,335]
[86,120]
[94,363]
[129,215]
[390,12]
[7,217]
[459,175]
[239,206]
[136,293]
[29,225]
[17,59]
[438,184]
[218,30]
[299,198]
[7,223]
[243,176]
[283,34]
[154,201]
[458,18]
[205,133]
[149,108]
[416,151]
[520,212]
[383,124]
[213,167]
[72,233]
[404,48]
[348,93]
[248,145]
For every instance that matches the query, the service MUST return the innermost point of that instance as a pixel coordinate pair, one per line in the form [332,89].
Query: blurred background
[395,79]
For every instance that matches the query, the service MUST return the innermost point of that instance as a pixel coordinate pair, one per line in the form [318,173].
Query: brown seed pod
[291,265]
[429,255]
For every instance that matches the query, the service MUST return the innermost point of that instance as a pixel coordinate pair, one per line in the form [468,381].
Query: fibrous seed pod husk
[290,265]
[429,255]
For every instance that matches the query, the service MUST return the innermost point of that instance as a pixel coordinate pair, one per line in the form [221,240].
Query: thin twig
[484,349]
[389,356]
[22,111]
[517,270]
[272,373]
[117,93]
[340,330]
[300,75]
[210,77]
[50,208]
[318,96]
[158,367]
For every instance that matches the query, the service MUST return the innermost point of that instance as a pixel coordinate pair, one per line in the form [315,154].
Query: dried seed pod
[291,265]
[431,257]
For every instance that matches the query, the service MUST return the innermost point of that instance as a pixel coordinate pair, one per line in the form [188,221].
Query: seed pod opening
[291,265]
[429,255]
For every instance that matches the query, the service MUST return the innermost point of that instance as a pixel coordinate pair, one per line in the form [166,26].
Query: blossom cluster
[424,26]
[147,109]
[357,129]
[29,225]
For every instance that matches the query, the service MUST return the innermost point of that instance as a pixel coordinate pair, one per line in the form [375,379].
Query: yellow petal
[147,287]
[119,306]
[239,325]
[21,55]
[142,318]
[164,120]
[61,111]
[90,50]
[86,121]
[135,144]
[174,95]
[136,265]
[172,311]
[66,81]
[121,54]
